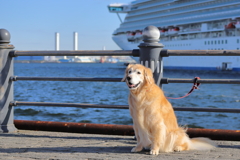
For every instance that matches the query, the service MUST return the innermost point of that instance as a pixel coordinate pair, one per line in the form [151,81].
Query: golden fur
[154,120]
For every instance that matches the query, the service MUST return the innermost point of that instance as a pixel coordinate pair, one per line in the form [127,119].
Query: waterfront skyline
[33,24]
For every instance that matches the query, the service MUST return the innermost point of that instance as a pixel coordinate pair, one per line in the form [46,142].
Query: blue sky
[33,23]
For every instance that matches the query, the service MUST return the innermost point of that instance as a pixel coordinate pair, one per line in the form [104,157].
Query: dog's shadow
[70,149]
[67,149]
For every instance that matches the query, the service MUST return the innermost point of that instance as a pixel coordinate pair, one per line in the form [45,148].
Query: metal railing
[150,53]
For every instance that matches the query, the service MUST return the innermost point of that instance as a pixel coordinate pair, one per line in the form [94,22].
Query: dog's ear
[126,72]
[148,75]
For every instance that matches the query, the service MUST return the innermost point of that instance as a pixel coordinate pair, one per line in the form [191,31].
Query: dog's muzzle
[132,86]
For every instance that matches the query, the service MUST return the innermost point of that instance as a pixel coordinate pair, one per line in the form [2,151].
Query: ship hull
[193,62]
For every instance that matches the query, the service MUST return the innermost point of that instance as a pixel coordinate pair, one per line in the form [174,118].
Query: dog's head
[137,75]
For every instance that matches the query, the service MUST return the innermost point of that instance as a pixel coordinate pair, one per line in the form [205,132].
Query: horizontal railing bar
[135,52]
[16,78]
[225,110]
[113,129]
[167,53]
[163,81]
[213,81]
[80,105]
[16,53]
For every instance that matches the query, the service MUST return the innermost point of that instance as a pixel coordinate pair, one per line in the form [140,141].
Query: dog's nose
[128,78]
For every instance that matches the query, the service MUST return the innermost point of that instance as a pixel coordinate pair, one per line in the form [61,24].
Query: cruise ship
[184,25]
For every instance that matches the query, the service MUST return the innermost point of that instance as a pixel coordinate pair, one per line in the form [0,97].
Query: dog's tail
[201,144]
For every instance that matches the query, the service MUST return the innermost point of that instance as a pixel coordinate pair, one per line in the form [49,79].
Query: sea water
[116,93]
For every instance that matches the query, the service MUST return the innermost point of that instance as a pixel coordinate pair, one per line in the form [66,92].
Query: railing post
[6,86]
[150,52]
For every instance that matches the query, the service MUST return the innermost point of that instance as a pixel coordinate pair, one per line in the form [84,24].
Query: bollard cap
[4,36]
[151,34]
[151,37]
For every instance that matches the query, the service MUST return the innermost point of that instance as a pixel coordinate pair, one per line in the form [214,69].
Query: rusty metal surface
[6,46]
[215,134]
[109,129]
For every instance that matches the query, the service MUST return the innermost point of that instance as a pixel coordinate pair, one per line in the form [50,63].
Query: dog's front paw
[154,152]
[137,149]
[178,148]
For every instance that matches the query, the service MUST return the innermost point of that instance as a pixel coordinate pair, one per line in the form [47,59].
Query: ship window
[222,41]
[225,41]
[115,8]
[237,40]
[205,42]
[211,42]
[218,41]
[208,42]
[215,42]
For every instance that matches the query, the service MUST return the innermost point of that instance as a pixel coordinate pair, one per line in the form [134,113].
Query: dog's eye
[138,72]
[129,71]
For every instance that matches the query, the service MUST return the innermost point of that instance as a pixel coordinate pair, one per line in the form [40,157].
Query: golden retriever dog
[154,121]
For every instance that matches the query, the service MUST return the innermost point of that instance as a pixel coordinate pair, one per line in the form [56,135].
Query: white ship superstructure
[184,25]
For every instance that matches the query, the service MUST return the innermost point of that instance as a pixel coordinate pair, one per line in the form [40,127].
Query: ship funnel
[75,41]
[57,41]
